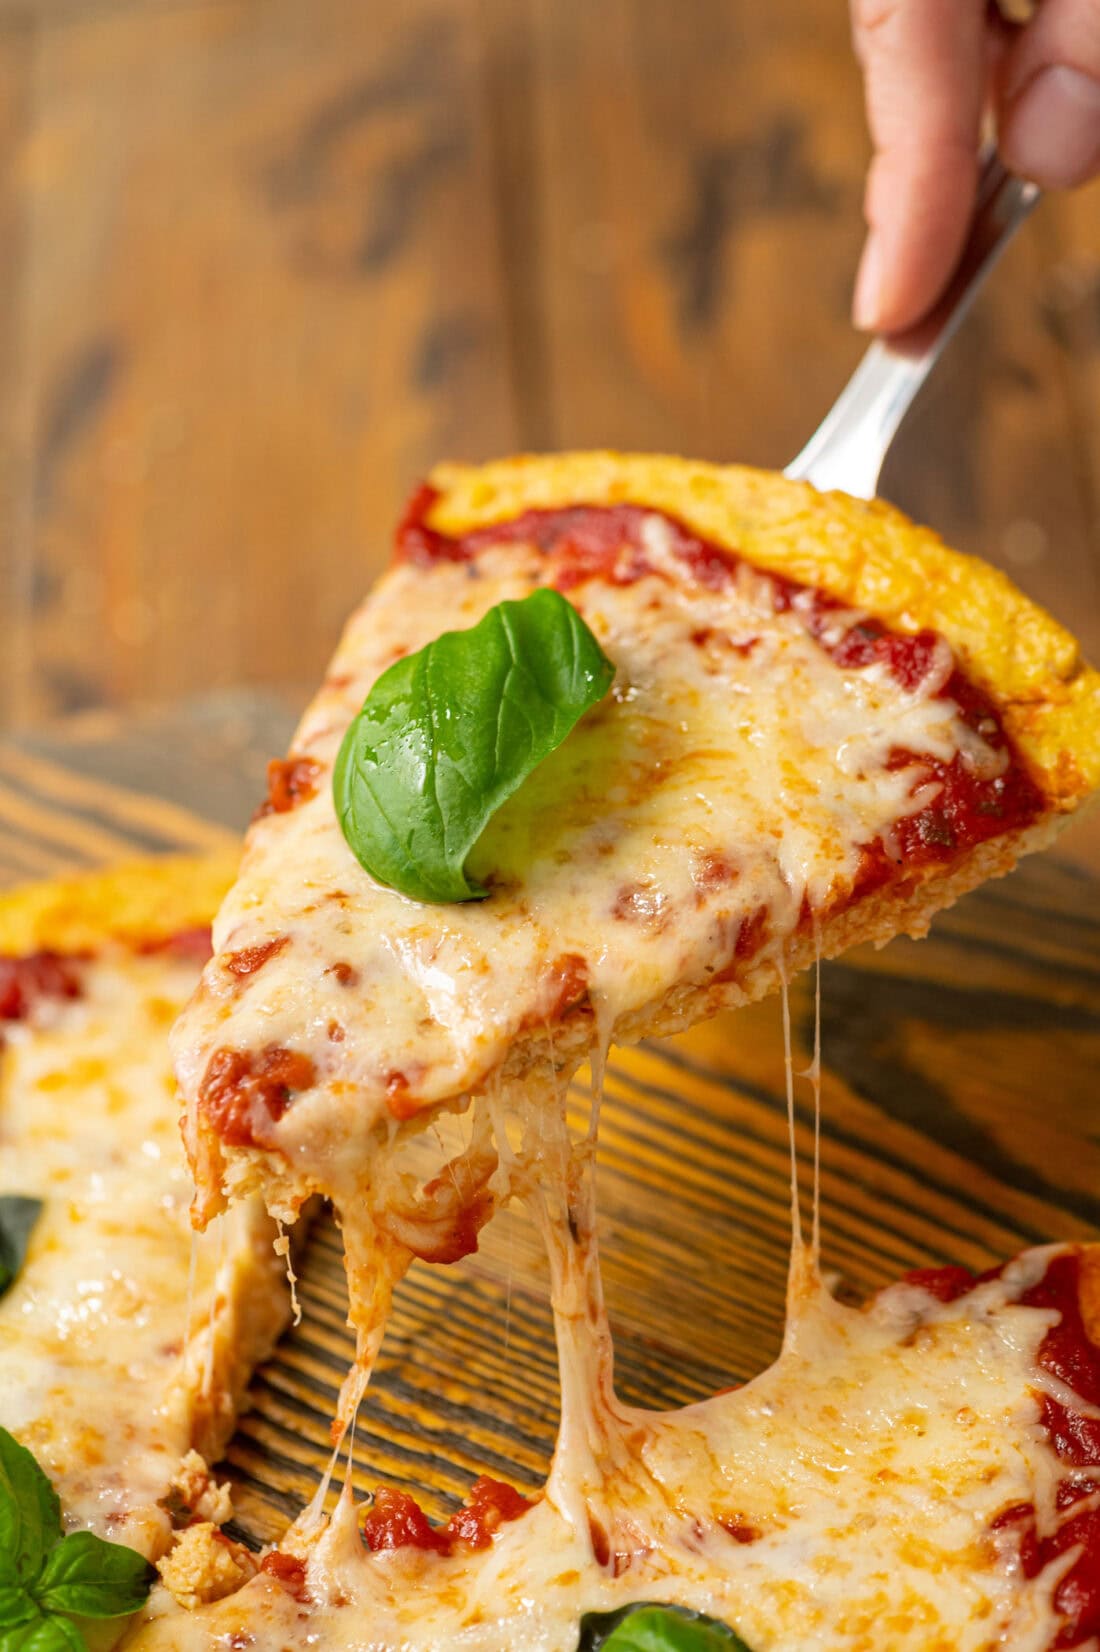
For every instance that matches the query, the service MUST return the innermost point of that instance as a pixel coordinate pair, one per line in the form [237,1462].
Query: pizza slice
[919,1475]
[823,727]
[125,1343]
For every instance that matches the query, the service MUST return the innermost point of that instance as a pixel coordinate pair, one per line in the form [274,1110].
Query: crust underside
[862,552]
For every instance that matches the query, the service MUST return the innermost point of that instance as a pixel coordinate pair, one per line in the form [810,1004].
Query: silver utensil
[848,448]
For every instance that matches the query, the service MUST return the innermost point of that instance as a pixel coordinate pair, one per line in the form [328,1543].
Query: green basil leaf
[30,1514]
[447,735]
[648,1626]
[91,1578]
[42,1634]
[16,1606]
[18,1214]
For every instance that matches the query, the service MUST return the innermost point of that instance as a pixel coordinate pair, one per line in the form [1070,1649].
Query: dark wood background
[263,261]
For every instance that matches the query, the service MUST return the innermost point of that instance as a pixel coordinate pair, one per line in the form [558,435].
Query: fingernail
[865,303]
[1052,131]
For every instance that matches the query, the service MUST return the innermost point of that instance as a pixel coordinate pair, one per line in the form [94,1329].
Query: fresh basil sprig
[18,1214]
[648,1626]
[48,1579]
[447,735]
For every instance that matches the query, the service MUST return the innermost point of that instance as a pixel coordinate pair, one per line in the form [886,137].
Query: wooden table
[959,1125]
[266,261]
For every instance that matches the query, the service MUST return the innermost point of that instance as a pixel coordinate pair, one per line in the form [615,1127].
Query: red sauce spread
[28,980]
[290,781]
[450,1241]
[251,958]
[191,945]
[563,986]
[1069,1354]
[24,982]
[400,1096]
[945,1284]
[607,542]
[241,1094]
[289,1570]
[396,1520]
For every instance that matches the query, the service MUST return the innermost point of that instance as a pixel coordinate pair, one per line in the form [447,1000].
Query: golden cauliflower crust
[864,553]
[137,903]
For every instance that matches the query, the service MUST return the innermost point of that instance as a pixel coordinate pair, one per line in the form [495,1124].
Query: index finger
[925,70]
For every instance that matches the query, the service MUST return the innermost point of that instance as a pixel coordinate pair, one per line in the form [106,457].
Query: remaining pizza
[918,1476]
[125,1346]
[823,727]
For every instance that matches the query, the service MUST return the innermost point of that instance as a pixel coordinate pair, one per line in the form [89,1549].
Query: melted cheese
[861,1475]
[720,778]
[871,1460]
[97,1375]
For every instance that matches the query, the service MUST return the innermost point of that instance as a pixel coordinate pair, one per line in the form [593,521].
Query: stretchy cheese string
[788,1069]
[190,1320]
[282,1248]
[813,1073]
[212,1320]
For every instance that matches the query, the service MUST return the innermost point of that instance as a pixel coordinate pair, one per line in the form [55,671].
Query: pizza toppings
[289,1569]
[983,787]
[243,1095]
[25,982]
[290,781]
[446,735]
[252,958]
[395,1520]
[18,1215]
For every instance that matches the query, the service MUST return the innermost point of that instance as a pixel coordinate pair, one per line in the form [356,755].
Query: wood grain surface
[265,261]
[958,1125]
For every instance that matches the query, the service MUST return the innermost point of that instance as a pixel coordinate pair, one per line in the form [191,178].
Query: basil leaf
[43,1634]
[18,1214]
[647,1626]
[30,1513]
[447,735]
[92,1578]
[16,1606]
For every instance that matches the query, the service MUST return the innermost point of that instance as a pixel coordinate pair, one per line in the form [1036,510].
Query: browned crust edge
[863,552]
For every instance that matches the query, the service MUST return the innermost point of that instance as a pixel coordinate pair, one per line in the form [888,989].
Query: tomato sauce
[243,1092]
[289,1570]
[1069,1354]
[251,958]
[189,945]
[25,982]
[607,542]
[290,781]
[395,1520]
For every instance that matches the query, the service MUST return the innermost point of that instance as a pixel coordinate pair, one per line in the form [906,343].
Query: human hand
[931,70]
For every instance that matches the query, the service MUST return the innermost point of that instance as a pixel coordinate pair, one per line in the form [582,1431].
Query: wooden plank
[262,297]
